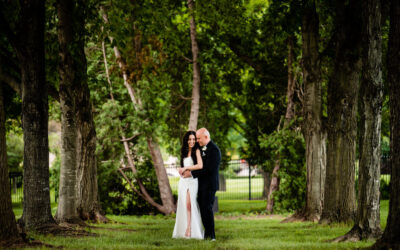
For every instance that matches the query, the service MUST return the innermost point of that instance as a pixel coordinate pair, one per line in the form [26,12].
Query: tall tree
[8,226]
[88,203]
[367,222]
[343,86]
[28,42]
[78,174]
[312,128]
[194,108]
[390,238]
[70,72]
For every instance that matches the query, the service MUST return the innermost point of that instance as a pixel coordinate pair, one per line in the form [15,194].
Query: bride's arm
[199,164]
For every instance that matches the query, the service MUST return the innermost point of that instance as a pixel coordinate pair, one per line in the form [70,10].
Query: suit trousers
[206,200]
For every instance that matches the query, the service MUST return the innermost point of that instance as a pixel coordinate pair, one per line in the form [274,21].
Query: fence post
[249,181]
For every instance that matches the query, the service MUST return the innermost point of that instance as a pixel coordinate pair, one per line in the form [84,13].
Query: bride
[188,220]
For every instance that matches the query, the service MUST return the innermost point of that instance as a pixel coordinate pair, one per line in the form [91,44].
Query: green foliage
[55,151]
[55,175]
[246,47]
[385,147]
[117,118]
[385,187]
[116,195]
[385,158]
[287,146]
[112,120]
[13,107]
[15,151]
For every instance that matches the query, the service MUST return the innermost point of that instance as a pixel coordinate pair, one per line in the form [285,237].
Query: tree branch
[130,138]
[129,181]
[187,59]
[16,86]
[11,81]
[4,25]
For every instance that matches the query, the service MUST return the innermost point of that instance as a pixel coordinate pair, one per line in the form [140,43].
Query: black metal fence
[238,181]
[16,182]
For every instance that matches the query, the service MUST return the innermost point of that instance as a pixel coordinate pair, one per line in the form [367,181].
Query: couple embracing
[200,159]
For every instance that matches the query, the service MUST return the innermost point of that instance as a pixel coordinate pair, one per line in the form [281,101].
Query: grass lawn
[239,225]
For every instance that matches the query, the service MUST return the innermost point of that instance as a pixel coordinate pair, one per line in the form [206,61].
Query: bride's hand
[187,174]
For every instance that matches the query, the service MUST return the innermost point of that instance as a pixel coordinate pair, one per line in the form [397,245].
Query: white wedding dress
[185,184]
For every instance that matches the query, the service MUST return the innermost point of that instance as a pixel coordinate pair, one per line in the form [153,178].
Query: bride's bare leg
[189,214]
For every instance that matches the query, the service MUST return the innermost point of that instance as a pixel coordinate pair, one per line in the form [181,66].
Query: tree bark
[30,52]
[162,177]
[88,204]
[390,238]
[289,116]
[69,79]
[267,183]
[312,128]
[222,182]
[367,223]
[273,186]
[194,109]
[8,225]
[78,174]
[343,86]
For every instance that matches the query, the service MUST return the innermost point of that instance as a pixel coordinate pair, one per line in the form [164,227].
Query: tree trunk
[162,177]
[367,223]
[78,174]
[222,182]
[274,186]
[69,79]
[289,116]
[36,205]
[343,86]
[8,225]
[312,128]
[88,204]
[267,183]
[390,238]
[194,109]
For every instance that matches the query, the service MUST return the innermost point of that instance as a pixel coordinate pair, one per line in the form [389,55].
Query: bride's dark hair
[185,147]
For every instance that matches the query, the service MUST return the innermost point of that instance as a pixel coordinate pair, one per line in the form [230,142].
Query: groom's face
[201,139]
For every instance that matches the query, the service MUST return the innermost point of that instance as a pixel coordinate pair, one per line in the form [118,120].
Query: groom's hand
[180,171]
[187,174]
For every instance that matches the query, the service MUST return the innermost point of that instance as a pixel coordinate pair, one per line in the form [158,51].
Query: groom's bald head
[203,136]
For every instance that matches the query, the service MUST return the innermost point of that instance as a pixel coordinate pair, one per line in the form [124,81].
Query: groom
[208,180]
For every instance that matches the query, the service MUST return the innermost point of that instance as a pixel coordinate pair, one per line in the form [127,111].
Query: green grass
[236,189]
[16,195]
[237,227]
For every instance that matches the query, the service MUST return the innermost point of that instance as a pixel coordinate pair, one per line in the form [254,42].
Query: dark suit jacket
[208,176]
